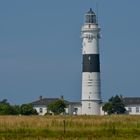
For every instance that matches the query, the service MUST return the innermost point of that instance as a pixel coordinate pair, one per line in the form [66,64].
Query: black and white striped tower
[91,87]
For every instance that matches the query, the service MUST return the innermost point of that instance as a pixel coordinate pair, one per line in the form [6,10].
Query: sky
[40,48]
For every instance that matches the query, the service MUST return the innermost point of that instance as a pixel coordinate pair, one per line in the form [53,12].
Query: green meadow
[119,127]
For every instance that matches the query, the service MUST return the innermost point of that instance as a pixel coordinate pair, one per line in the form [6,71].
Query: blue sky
[40,48]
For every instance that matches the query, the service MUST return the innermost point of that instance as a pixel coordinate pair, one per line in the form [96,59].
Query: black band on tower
[91,63]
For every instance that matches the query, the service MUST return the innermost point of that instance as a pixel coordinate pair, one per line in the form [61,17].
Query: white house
[132,105]
[73,108]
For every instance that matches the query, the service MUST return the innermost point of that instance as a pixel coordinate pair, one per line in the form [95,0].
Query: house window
[40,110]
[129,109]
[75,111]
[137,109]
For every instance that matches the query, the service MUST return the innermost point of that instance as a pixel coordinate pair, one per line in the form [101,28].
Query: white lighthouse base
[91,107]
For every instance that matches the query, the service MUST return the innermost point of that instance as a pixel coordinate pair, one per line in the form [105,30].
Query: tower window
[89,77]
[89,106]
[89,40]
[89,58]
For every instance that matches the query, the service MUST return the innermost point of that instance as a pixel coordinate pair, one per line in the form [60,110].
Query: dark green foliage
[7,109]
[108,108]
[114,105]
[57,107]
[16,109]
[27,109]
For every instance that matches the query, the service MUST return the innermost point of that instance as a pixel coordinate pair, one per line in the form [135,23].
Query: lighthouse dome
[90,17]
[90,11]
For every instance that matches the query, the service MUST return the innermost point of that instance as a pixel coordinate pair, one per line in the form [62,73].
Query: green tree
[6,108]
[57,107]
[114,105]
[4,101]
[27,109]
[16,109]
[107,108]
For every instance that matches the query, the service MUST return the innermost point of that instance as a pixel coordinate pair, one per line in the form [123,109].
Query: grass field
[76,128]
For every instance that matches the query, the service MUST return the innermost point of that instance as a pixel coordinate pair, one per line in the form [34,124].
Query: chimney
[62,97]
[40,97]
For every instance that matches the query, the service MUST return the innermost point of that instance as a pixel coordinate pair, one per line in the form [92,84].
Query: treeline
[7,109]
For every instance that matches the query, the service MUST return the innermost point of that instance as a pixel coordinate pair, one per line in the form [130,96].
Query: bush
[57,107]
[27,109]
[114,105]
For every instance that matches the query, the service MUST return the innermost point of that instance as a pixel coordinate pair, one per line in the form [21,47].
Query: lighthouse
[91,83]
